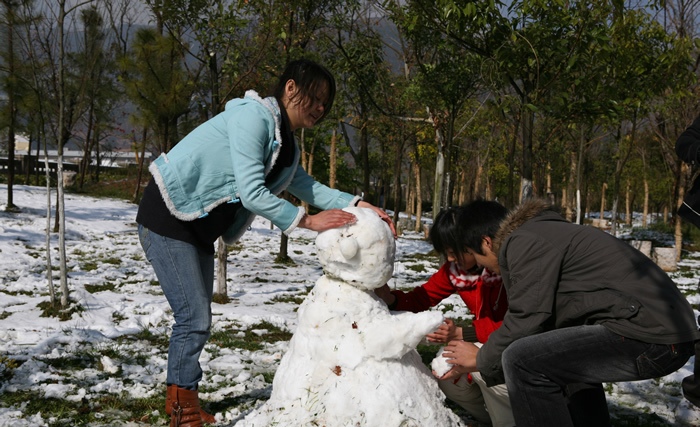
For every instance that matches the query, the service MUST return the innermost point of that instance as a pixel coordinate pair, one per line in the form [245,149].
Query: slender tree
[9,81]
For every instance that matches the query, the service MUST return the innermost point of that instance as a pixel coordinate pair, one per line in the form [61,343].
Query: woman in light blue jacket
[212,184]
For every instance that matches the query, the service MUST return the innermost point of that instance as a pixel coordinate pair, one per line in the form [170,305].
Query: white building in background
[109,158]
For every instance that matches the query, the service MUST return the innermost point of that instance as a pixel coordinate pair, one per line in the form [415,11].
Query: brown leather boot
[183,407]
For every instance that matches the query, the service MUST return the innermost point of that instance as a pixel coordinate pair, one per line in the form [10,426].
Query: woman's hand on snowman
[383,215]
[326,220]
[447,332]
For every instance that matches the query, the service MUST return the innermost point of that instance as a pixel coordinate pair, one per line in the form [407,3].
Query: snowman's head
[362,253]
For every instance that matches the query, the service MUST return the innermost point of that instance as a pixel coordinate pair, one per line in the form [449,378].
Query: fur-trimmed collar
[519,216]
[271,104]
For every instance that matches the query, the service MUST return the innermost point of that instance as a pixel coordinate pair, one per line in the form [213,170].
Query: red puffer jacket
[482,293]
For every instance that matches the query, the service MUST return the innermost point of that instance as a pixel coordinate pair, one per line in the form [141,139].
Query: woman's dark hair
[308,77]
[444,234]
[479,218]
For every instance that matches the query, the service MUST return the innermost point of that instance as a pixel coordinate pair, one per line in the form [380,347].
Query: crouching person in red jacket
[483,293]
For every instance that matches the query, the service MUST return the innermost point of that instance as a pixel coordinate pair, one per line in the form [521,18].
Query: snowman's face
[362,253]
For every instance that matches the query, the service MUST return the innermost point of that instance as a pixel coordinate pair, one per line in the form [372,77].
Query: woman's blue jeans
[540,368]
[186,275]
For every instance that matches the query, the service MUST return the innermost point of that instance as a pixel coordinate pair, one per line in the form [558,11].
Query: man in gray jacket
[585,308]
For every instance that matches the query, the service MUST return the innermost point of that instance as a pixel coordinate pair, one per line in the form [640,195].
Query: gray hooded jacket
[558,274]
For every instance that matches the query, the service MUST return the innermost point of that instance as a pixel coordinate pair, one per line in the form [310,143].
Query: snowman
[350,361]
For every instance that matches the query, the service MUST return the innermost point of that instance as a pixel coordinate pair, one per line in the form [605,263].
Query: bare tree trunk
[62,134]
[571,187]
[49,270]
[410,196]
[646,191]
[11,107]
[579,173]
[419,197]
[602,202]
[304,162]
[685,171]
[61,213]
[646,202]
[511,166]
[489,193]
[565,196]
[398,158]
[98,161]
[36,163]
[439,167]
[85,162]
[364,156]
[463,187]
[628,213]
[333,159]
[310,161]
[283,256]
[526,184]
[142,156]
[221,257]
[477,179]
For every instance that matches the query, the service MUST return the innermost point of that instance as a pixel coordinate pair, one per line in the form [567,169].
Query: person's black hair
[308,77]
[480,218]
[444,234]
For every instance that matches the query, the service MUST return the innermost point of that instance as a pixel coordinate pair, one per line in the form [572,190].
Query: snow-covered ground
[116,346]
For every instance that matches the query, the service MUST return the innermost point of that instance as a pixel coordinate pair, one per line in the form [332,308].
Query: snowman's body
[351,362]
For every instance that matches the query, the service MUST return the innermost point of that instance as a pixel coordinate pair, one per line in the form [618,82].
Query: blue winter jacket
[226,160]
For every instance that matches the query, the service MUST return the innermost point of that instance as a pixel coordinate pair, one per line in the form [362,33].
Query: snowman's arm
[390,336]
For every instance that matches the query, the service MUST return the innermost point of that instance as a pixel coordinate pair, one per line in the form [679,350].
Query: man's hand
[461,354]
[452,374]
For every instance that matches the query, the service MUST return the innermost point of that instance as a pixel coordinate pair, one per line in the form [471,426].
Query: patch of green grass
[418,268]
[160,339]
[33,402]
[88,266]
[291,299]
[431,256]
[260,280]
[76,361]
[221,299]
[118,317]
[228,338]
[112,261]
[119,408]
[447,307]
[49,310]
[623,417]
[113,185]
[284,260]
[99,288]
[141,410]
[15,293]
[8,367]
[5,315]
